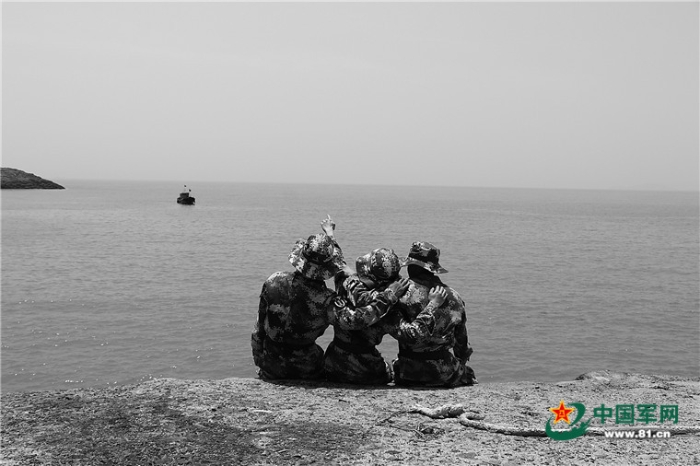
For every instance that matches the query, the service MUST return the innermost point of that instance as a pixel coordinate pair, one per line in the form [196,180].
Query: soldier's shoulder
[455,293]
[457,299]
[279,277]
[414,294]
[277,285]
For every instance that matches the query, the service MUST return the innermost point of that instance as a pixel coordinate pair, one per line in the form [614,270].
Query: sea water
[114,282]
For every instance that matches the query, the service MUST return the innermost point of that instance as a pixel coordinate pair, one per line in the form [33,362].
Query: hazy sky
[552,95]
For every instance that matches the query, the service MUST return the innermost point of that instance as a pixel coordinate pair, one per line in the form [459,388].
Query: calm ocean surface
[113,282]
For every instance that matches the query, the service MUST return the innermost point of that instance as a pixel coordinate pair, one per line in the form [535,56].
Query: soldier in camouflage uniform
[297,307]
[434,356]
[352,356]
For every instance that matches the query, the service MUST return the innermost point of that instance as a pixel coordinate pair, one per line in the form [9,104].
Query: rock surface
[12,178]
[250,421]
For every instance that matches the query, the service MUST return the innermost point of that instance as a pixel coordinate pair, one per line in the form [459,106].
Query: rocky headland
[12,178]
[253,422]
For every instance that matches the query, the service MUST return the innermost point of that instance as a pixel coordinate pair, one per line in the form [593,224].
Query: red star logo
[561,413]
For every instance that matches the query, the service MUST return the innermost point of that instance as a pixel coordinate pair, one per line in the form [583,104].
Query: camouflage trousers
[347,363]
[434,369]
[282,361]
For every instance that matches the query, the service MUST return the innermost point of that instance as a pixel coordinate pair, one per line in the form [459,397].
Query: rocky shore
[253,422]
[12,178]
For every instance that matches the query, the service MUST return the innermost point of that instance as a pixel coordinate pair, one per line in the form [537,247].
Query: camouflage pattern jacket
[434,353]
[352,356]
[293,312]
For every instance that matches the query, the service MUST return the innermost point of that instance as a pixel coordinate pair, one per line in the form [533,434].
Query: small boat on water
[186,196]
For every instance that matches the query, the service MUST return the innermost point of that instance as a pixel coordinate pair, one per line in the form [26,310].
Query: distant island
[11,178]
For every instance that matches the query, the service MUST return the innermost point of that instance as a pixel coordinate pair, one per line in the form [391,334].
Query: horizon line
[641,188]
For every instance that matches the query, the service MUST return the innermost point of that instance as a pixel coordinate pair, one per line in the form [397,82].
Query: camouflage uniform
[297,307]
[292,314]
[433,354]
[352,356]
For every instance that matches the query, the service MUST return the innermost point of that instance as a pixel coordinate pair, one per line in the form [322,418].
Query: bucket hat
[317,258]
[380,265]
[426,255]
[384,264]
